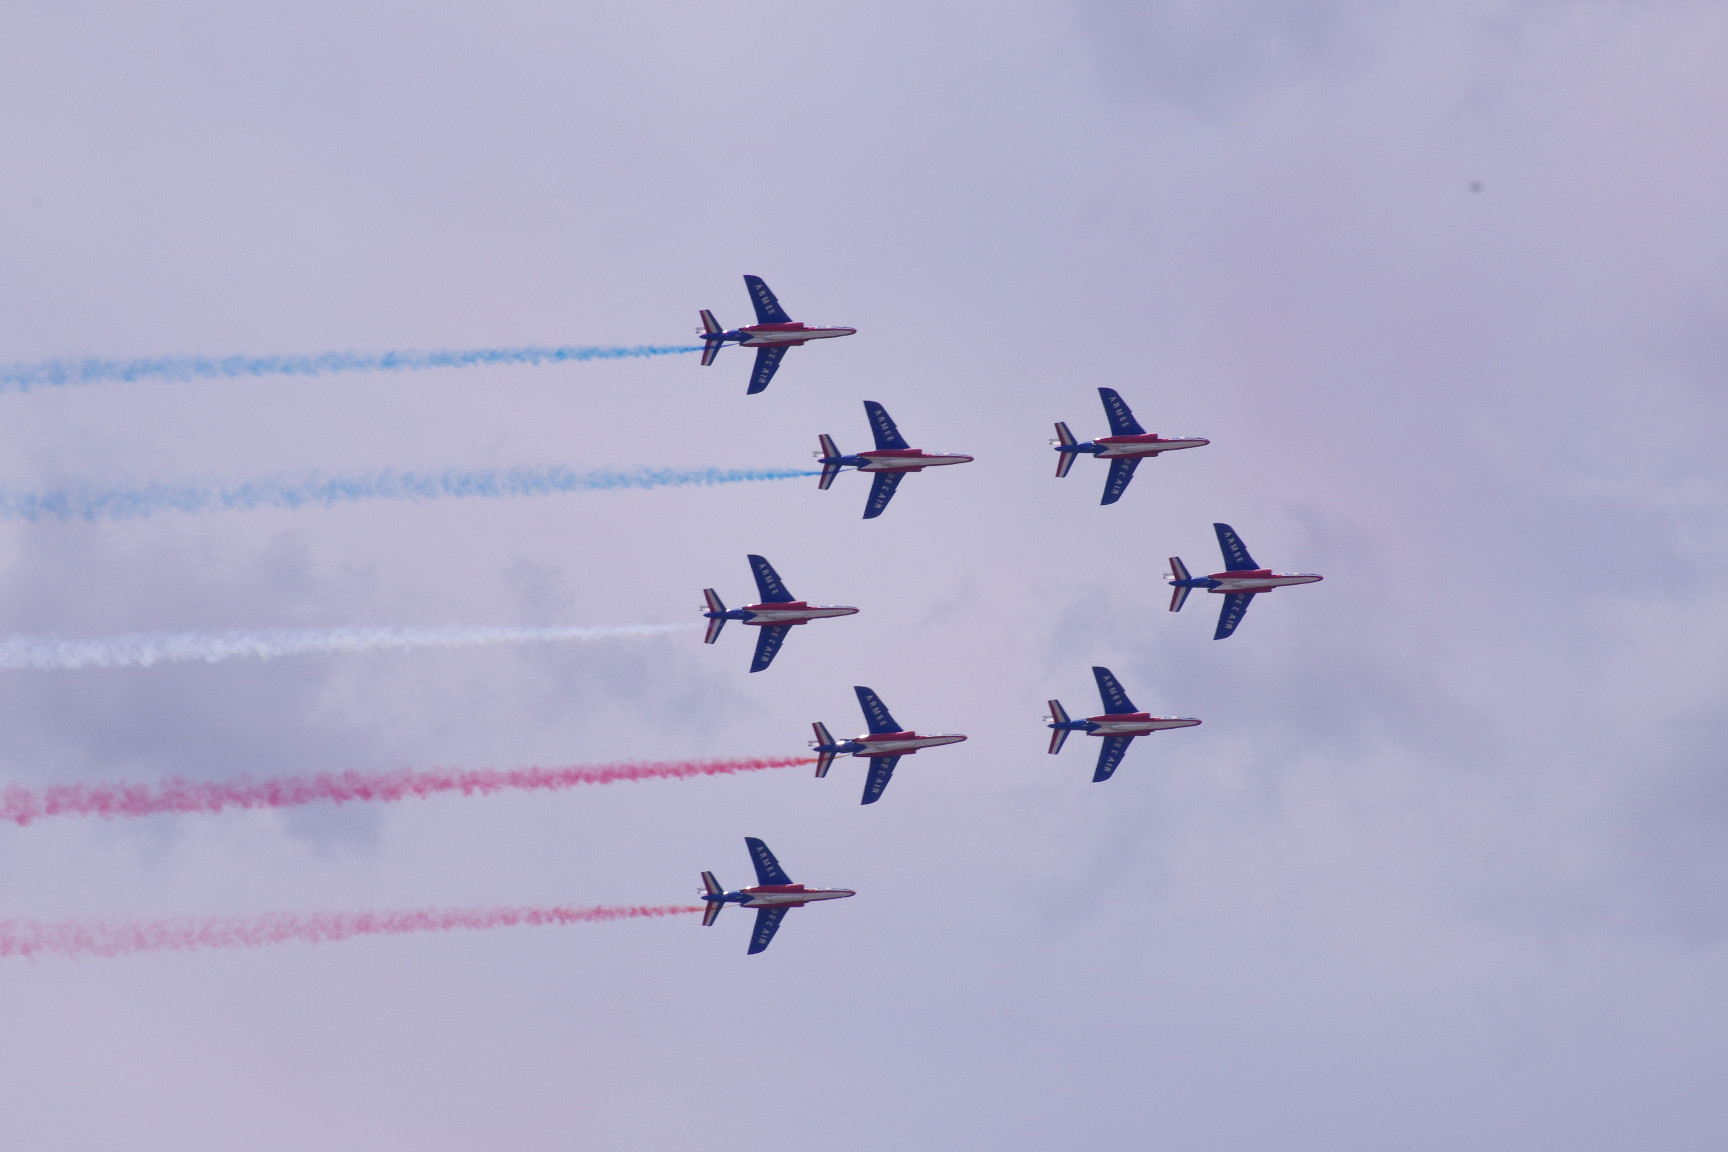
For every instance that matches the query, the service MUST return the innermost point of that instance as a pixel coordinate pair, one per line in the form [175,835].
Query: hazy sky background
[1444,866]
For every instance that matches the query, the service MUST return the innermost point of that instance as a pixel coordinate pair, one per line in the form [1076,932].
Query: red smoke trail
[78,938]
[23,805]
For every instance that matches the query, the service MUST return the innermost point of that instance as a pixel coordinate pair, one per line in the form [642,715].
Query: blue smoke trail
[143,649]
[92,504]
[23,377]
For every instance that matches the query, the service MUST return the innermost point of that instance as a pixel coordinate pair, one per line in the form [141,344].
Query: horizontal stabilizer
[712,912]
[830,451]
[710,326]
[715,623]
[711,886]
[1058,737]
[1179,597]
[824,760]
[1064,460]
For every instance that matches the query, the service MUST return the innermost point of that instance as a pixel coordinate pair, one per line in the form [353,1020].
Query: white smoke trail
[142,649]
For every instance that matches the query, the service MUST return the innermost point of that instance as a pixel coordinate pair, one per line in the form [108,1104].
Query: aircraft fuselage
[1135,724]
[1147,444]
[781,895]
[897,460]
[901,743]
[795,612]
[1258,580]
[791,334]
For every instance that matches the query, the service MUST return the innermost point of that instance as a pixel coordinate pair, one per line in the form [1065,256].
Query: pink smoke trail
[24,805]
[80,938]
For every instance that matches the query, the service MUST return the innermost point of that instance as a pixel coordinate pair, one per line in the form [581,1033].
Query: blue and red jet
[771,335]
[776,615]
[1240,582]
[1118,726]
[1125,447]
[772,897]
[890,460]
[883,745]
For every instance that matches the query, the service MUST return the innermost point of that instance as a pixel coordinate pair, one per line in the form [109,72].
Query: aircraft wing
[768,870]
[768,645]
[1116,701]
[769,586]
[881,771]
[881,491]
[1109,756]
[1235,607]
[768,310]
[875,712]
[767,362]
[1122,422]
[1121,471]
[882,426]
[767,923]
[1236,558]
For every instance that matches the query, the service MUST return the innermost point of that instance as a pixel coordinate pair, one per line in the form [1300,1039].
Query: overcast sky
[1444,285]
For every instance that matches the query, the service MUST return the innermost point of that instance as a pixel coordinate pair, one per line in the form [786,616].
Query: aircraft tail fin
[1064,460]
[1178,596]
[1058,715]
[715,623]
[830,451]
[824,760]
[710,328]
[711,887]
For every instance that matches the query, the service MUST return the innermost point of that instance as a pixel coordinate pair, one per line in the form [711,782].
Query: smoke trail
[142,649]
[24,806]
[315,491]
[79,938]
[23,377]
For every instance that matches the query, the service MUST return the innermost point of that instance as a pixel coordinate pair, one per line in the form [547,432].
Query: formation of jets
[886,742]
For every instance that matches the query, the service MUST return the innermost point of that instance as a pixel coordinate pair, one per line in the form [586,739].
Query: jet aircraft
[1118,726]
[883,746]
[1125,447]
[776,615]
[891,460]
[1240,582]
[773,895]
[771,335]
